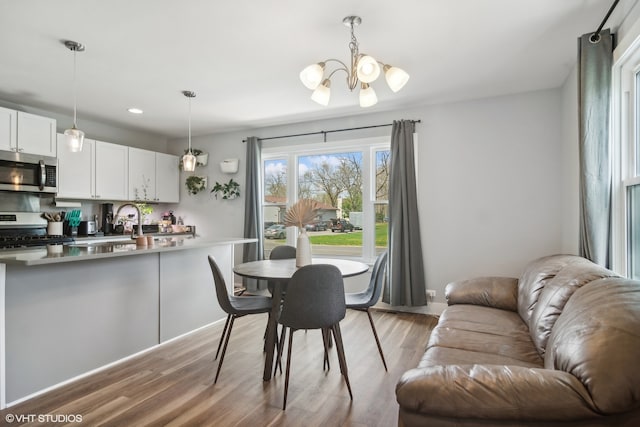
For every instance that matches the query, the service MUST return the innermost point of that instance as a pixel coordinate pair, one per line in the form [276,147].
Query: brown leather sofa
[558,347]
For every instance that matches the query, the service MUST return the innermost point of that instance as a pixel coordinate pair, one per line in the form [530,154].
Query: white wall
[490,190]
[570,165]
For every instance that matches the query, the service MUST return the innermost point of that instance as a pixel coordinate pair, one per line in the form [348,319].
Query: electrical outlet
[431,294]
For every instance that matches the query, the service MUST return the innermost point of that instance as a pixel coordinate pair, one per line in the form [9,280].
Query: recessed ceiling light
[134,110]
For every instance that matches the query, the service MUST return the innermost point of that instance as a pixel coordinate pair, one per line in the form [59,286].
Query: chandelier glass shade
[74,136]
[189,160]
[363,69]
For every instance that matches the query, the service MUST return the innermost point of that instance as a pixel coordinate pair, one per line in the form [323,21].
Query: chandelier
[363,69]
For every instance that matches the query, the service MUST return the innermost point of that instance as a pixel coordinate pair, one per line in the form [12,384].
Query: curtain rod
[595,37]
[325,132]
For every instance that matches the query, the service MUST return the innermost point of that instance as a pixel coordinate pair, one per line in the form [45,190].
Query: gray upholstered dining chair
[281,252]
[234,307]
[364,300]
[315,299]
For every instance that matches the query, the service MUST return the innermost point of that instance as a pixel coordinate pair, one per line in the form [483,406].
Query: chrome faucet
[140,233]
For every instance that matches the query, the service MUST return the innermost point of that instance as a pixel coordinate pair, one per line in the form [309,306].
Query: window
[349,180]
[626,149]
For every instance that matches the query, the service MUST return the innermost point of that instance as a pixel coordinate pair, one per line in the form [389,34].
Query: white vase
[303,249]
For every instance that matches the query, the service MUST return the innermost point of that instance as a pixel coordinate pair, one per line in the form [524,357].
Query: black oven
[28,172]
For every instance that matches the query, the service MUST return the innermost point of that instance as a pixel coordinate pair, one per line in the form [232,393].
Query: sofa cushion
[556,293]
[597,340]
[473,333]
[536,275]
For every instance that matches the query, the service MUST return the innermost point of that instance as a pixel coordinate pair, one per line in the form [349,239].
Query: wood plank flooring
[173,385]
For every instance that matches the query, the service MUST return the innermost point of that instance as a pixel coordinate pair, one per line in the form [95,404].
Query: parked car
[341,225]
[316,226]
[275,231]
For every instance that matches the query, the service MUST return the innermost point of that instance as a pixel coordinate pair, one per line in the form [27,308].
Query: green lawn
[351,239]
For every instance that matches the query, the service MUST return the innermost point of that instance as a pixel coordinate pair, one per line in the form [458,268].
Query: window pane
[636,166]
[382,175]
[381,222]
[275,204]
[633,253]
[334,180]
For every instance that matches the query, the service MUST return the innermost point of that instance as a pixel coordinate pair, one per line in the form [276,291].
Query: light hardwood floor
[173,385]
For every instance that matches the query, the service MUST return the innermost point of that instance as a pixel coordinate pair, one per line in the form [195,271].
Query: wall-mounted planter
[229,190]
[196,184]
[202,159]
[229,165]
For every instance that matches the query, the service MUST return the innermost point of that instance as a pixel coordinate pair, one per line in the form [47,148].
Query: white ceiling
[242,57]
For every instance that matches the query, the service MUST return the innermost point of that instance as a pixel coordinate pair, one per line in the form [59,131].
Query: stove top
[26,230]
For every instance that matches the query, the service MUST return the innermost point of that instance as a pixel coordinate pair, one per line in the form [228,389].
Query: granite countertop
[98,248]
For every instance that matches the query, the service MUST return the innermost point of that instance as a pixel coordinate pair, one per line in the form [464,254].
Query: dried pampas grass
[303,212]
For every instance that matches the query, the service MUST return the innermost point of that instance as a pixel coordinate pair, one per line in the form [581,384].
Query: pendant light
[189,160]
[74,136]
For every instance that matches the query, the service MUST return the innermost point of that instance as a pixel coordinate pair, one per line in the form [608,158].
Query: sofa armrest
[494,392]
[497,292]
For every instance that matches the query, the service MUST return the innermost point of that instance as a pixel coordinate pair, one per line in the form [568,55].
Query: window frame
[368,147]
[625,146]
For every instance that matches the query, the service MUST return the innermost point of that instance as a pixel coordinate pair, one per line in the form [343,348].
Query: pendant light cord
[190,125]
[75,125]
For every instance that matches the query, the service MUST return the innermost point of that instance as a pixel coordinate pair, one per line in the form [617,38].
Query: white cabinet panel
[153,176]
[8,127]
[142,175]
[76,177]
[27,133]
[167,178]
[111,171]
[36,134]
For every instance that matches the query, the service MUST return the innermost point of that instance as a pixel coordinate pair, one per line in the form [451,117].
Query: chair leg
[341,357]
[224,349]
[279,349]
[325,342]
[286,378]
[375,335]
[224,332]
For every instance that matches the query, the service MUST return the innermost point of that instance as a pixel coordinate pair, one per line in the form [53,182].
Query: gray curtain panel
[253,210]
[594,77]
[406,281]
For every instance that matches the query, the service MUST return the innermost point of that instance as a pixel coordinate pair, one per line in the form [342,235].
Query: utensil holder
[54,228]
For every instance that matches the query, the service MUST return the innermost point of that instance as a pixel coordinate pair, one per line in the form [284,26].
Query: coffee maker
[106,210]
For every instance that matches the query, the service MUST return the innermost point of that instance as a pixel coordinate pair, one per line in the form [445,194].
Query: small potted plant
[195,184]
[229,190]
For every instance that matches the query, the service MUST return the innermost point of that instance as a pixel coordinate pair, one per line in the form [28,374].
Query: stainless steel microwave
[28,172]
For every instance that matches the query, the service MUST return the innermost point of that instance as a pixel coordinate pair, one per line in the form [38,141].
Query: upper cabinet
[27,133]
[112,168]
[76,171]
[99,171]
[153,176]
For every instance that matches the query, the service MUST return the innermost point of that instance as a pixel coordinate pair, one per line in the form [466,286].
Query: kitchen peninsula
[67,310]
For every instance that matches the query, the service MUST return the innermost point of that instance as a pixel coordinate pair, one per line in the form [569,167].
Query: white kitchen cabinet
[142,175]
[98,172]
[112,171]
[76,177]
[8,129]
[36,134]
[27,133]
[167,178]
[153,176]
